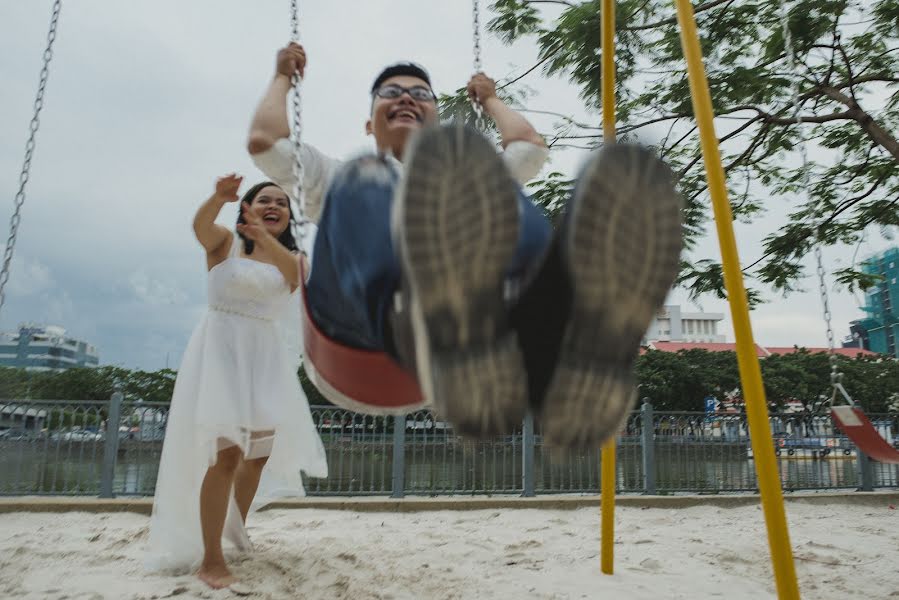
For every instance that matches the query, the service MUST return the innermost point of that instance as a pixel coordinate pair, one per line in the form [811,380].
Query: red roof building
[760,351]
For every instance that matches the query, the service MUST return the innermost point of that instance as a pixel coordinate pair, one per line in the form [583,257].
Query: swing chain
[29,152]
[478,68]
[302,221]
[294,21]
[476,33]
[836,376]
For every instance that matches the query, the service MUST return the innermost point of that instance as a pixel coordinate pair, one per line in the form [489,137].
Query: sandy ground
[842,551]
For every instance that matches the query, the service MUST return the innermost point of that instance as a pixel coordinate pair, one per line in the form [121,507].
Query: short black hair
[402,68]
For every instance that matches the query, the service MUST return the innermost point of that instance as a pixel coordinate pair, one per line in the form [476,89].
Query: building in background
[45,348]
[760,351]
[671,324]
[878,330]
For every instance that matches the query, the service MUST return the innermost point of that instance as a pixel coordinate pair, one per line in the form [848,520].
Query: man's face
[393,120]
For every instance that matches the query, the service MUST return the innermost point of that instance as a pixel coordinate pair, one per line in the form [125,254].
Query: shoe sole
[622,252]
[456,224]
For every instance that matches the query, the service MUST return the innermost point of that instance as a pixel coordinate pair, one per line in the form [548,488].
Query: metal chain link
[29,153]
[302,220]
[476,33]
[836,377]
[478,68]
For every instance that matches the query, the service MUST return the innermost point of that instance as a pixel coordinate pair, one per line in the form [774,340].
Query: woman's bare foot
[216,576]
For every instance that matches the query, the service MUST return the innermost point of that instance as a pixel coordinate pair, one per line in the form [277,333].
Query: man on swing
[430,251]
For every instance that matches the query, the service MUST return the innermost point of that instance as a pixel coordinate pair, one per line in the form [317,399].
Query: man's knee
[366,172]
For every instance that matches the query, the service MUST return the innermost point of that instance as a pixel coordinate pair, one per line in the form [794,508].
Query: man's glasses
[417,92]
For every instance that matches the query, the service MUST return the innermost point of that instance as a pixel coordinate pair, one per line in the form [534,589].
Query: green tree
[675,381]
[848,59]
[801,375]
[14,383]
[873,382]
[149,386]
[88,384]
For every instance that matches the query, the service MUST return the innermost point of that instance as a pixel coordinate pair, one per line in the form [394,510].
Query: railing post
[649,448]
[865,471]
[527,456]
[399,457]
[111,445]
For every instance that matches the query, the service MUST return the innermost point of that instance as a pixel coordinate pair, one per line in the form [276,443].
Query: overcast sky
[149,101]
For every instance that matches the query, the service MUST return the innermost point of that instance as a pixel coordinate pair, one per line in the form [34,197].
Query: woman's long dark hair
[286,238]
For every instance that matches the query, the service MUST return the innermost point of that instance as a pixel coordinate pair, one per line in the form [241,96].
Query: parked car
[16,435]
[77,435]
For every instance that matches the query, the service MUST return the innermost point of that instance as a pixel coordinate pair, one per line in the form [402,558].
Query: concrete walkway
[143,506]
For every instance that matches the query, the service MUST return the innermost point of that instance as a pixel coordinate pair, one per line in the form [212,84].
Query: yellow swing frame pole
[750,371]
[607,475]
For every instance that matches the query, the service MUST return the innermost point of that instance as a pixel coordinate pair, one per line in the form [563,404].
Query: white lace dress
[237,385]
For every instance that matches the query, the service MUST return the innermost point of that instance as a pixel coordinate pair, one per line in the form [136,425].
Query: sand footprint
[523,545]
[651,565]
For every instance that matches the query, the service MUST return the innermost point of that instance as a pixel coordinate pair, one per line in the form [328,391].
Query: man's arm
[513,127]
[270,120]
[269,140]
[525,150]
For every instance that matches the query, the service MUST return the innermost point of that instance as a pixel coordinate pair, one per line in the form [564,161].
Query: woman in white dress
[239,427]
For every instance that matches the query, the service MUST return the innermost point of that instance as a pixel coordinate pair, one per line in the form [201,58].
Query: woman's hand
[226,187]
[254,229]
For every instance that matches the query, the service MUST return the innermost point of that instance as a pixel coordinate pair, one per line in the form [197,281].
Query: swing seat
[856,426]
[363,381]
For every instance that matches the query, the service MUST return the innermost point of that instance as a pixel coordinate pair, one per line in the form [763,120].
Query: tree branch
[560,115]
[670,21]
[833,216]
[752,146]
[562,2]
[889,206]
[661,119]
[851,80]
[858,169]
[873,129]
[820,88]
[554,144]
[528,72]
[872,59]
[757,140]
[847,204]
[681,140]
[840,116]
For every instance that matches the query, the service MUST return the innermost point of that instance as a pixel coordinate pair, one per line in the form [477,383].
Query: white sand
[842,551]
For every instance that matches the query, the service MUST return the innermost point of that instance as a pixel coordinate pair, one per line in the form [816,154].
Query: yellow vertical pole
[607,23]
[607,475]
[607,509]
[750,372]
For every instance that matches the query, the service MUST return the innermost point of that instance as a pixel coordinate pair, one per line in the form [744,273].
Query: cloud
[28,277]
[154,291]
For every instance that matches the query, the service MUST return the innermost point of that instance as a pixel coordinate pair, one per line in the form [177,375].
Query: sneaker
[455,226]
[620,243]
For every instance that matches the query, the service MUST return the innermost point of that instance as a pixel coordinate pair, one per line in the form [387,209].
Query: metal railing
[113,448]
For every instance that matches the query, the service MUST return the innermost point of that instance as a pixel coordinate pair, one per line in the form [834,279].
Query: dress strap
[236,243]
